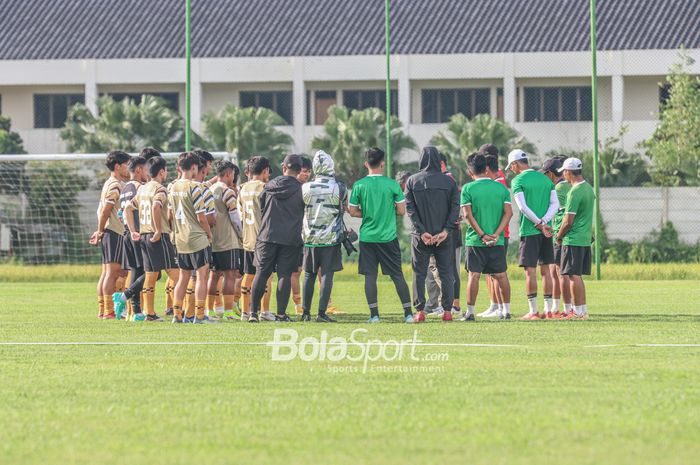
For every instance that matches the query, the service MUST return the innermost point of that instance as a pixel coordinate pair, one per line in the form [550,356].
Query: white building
[525,61]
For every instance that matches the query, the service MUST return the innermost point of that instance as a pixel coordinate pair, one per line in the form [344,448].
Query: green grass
[552,399]
[11,273]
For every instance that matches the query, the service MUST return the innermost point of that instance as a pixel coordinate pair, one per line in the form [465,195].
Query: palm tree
[125,125]
[348,134]
[464,136]
[248,132]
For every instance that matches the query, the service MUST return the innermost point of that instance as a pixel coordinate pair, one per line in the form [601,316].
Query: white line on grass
[232,343]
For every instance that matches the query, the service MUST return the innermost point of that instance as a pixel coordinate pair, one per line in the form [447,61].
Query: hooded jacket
[432,198]
[282,210]
[324,200]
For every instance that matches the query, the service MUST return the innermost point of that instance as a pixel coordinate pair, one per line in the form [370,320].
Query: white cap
[571,164]
[516,155]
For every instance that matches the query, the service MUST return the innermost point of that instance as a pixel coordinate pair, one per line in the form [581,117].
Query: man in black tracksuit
[279,241]
[432,204]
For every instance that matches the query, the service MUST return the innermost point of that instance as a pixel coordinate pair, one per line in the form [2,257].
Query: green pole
[596,169]
[389,155]
[188,59]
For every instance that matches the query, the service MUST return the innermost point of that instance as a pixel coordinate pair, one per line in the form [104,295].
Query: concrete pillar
[299,104]
[196,98]
[404,91]
[91,86]
[618,101]
[509,94]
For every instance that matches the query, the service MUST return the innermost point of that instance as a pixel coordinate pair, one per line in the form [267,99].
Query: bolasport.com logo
[357,353]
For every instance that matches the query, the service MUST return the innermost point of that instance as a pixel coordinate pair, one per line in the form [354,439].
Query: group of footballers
[217,241]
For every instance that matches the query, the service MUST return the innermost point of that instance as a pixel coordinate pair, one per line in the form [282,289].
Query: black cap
[551,164]
[293,162]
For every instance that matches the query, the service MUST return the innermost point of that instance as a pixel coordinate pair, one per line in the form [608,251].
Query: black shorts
[112,247]
[575,260]
[195,260]
[248,262]
[327,258]
[157,256]
[386,254]
[536,250]
[489,260]
[132,257]
[227,260]
[300,262]
[557,254]
[271,257]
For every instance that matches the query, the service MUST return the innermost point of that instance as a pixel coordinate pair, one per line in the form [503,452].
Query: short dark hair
[492,163]
[149,152]
[443,158]
[402,176]
[476,163]
[116,157]
[576,172]
[293,163]
[135,162]
[257,165]
[205,156]
[489,149]
[222,166]
[187,160]
[374,157]
[155,165]
[306,162]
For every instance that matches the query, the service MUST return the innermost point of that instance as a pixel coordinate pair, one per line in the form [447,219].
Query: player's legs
[246,284]
[472,290]
[547,289]
[219,294]
[149,292]
[420,259]
[181,284]
[457,280]
[200,291]
[444,259]
[100,296]
[503,287]
[112,272]
[189,295]
[228,289]
[308,297]
[433,287]
[213,289]
[565,286]
[267,296]
[296,292]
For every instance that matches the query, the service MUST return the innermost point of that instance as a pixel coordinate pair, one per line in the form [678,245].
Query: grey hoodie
[432,198]
[324,199]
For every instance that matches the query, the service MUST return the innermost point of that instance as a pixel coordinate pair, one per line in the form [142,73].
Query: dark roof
[56,29]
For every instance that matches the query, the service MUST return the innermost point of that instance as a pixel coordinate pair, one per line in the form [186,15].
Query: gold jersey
[186,201]
[111,190]
[225,236]
[249,206]
[147,196]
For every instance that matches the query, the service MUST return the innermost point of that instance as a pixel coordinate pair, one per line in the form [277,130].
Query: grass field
[562,392]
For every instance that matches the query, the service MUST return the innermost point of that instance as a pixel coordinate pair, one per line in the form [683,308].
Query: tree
[674,147]
[618,168]
[125,125]
[248,132]
[464,136]
[349,133]
[10,142]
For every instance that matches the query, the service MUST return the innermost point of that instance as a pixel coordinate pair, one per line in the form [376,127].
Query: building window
[51,110]
[440,104]
[278,101]
[362,99]
[323,100]
[172,99]
[558,104]
[664,93]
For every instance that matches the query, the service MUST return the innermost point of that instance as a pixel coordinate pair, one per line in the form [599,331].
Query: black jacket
[282,208]
[432,198]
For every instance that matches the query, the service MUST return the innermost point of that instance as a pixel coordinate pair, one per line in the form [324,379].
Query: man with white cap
[576,234]
[537,200]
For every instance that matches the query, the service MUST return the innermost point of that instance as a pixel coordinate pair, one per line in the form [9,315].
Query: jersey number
[249,213]
[145,209]
[180,213]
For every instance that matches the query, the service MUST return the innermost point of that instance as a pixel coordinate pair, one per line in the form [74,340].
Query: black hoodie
[432,198]
[282,209]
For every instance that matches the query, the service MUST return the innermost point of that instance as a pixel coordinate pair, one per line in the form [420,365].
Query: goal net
[48,206]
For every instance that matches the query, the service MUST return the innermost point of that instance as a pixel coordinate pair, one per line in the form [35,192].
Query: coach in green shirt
[537,200]
[378,200]
[486,206]
[576,233]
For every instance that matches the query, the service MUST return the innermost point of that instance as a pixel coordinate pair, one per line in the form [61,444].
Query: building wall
[642,97]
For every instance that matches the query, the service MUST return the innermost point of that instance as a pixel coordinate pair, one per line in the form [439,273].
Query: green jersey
[487,198]
[562,188]
[537,188]
[377,196]
[580,202]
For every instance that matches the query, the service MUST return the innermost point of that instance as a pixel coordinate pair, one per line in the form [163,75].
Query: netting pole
[596,168]
[389,155]
[188,59]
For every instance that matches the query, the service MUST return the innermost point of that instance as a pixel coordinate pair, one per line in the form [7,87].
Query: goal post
[48,205]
